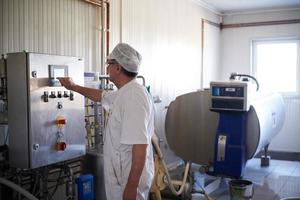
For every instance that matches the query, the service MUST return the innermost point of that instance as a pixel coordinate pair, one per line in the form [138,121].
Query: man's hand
[67,82]
[130,192]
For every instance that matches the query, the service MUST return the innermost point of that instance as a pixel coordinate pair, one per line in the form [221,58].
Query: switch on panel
[71,96]
[61,121]
[61,146]
[59,94]
[66,94]
[52,95]
[46,96]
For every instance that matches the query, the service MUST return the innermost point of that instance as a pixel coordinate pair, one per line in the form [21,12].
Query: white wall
[62,27]
[235,57]
[168,35]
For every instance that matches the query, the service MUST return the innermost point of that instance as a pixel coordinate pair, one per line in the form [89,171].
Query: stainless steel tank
[191,126]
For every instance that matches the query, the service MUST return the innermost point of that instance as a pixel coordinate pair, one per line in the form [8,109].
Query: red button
[61,146]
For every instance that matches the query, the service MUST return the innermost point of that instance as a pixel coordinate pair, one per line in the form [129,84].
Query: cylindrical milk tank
[191,127]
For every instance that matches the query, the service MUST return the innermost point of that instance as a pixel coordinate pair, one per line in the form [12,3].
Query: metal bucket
[240,189]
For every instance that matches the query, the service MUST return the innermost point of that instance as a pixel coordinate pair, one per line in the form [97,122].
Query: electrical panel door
[46,121]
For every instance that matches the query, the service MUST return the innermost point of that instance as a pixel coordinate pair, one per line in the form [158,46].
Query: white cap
[127,57]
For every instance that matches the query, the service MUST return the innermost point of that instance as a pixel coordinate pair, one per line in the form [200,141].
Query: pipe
[70,190]
[266,23]
[169,180]
[97,3]
[121,21]
[143,79]
[17,188]
[102,70]
[202,53]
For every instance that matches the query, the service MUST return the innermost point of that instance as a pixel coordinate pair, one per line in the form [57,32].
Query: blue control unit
[230,144]
[85,187]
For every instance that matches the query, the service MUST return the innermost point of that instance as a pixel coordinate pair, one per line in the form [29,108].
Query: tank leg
[265,159]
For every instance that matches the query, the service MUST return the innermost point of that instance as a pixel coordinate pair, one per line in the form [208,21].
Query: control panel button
[71,95]
[52,95]
[66,94]
[46,96]
[59,105]
[59,94]
[61,146]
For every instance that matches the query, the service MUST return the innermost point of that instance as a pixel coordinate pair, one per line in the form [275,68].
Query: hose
[233,75]
[17,188]
[170,182]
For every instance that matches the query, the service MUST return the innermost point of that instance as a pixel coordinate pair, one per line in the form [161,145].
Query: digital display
[230,89]
[56,71]
[221,91]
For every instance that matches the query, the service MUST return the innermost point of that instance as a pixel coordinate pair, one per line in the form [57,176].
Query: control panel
[46,121]
[231,96]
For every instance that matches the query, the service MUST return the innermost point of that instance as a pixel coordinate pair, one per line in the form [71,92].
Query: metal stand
[265,159]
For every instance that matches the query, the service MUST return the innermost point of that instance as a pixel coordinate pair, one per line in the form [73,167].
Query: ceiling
[239,6]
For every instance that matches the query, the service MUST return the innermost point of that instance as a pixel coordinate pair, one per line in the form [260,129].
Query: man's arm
[91,93]
[137,166]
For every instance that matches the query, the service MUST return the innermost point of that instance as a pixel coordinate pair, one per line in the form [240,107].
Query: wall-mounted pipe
[202,53]
[203,21]
[121,21]
[266,23]
[96,2]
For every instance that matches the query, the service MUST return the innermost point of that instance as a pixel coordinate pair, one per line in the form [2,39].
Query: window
[276,65]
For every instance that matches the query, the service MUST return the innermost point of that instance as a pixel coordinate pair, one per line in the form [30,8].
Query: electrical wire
[233,75]
[17,188]
[6,137]
[50,196]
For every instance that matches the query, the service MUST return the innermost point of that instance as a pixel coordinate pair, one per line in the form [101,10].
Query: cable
[170,182]
[233,75]
[50,196]
[6,137]
[17,188]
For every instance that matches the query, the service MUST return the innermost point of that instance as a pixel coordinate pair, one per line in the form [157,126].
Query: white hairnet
[128,57]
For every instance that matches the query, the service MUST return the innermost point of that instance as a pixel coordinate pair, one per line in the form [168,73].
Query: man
[128,159]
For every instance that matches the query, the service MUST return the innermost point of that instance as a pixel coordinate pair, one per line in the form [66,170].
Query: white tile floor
[280,180]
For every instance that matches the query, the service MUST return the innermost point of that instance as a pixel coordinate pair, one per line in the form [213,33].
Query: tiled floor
[280,180]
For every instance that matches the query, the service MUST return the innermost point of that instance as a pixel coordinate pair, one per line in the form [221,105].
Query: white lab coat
[130,121]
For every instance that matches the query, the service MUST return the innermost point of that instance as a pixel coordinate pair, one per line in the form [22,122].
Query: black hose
[232,76]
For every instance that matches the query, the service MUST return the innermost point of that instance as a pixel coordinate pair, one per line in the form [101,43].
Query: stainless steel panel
[17,90]
[191,127]
[40,117]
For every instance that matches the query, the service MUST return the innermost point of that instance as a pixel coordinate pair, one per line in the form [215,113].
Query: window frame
[254,44]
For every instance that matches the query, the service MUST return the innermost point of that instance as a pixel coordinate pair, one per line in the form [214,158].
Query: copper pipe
[202,52]
[107,28]
[212,23]
[97,3]
[266,23]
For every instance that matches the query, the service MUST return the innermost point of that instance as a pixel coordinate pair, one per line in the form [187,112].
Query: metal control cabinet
[46,121]
[230,96]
